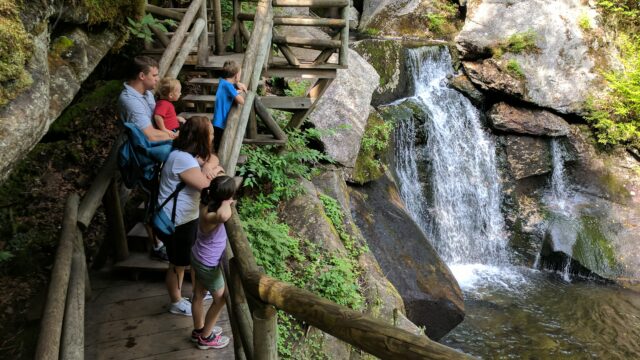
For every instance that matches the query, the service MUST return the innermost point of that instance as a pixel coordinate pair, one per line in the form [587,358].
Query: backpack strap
[179,187]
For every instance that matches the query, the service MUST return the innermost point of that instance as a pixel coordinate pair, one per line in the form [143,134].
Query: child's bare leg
[197,305]
[214,312]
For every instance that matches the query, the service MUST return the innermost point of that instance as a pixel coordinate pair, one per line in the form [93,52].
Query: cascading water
[464,219]
[512,312]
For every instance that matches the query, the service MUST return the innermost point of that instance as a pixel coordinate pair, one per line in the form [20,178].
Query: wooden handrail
[178,38]
[374,336]
[52,319]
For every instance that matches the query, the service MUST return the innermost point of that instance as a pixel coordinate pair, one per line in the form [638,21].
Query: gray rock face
[528,156]
[465,86]
[518,120]
[431,294]
[405,17]
[344,108]
[388,59]
[56,80]
[560,74]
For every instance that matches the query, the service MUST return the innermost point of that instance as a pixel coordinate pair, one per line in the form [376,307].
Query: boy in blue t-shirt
[225,96]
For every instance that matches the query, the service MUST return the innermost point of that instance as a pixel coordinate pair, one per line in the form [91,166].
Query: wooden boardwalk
[127,319]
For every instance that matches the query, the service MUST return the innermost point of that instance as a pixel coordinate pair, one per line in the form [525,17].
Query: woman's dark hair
[194,137]
[222,188]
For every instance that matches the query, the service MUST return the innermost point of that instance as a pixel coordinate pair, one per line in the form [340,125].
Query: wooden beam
[217,14]
[289,55]
[252,128]
[230,34]
[203,44]
[244,31]
[178,38]
[311,3]
[268,120]
[156,10]
[298,20]
[307,42]
[93,197]
[303,73]
[316,91]
[162,37]
[264,140]
[343,58]
[190,42]
[237,40]
[48,346]
[265,336]
[115,221]
[72,344]
[287,102]
[242,314]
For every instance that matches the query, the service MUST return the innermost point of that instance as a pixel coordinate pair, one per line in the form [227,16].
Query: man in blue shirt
[225,97]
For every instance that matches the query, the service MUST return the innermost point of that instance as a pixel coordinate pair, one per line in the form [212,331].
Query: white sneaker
[182,307]
[208,296]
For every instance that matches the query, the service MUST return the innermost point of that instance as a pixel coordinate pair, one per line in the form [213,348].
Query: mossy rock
[373,146]
[15,50]
[112,11]
[388,59]
[593,249]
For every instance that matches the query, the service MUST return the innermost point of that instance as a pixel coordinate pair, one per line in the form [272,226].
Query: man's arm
[154,134]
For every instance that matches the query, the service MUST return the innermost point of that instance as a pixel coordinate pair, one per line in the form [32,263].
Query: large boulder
[416,18]
[57,66]
[388,59]
[528,156]
[505,117]
[344,109]
[431,294]
[558,72]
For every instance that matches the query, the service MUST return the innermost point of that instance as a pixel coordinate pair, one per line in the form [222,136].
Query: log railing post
[190,42]
[241,312]
[265,334]
[343,57]
[178,37]
[237,37]
[72,343]
[115,221]
[203,45]
[51,326]
[217,14]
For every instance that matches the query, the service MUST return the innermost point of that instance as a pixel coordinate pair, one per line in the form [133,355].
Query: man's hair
[140,64]
[167,86]
[194,137]
[229,69]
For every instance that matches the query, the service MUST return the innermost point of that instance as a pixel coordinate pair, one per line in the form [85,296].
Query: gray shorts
[209,276]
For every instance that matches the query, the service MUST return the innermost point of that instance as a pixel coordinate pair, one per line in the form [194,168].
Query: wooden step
[141,261]
[210,81]
[287,102]
[187,115]
[200,98]
[138,231]
[263,139]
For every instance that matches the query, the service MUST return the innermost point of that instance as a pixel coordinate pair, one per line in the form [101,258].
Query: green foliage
[297,87]
[15,50]
[5,255]
[334,212]
[276,173]
[373,145]
[514,68]
[616,116]
[517,43]
[142,29]
[435,22]
[371,31]
[584,21]
[112,11]
[624,14]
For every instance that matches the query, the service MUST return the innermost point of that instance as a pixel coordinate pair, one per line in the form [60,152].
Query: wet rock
[562,69]
[527,156]
[505,117]
[431,294]
[465,86]
[492,75]
[344,109]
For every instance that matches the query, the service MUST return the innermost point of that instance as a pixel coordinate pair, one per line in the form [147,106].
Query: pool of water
[519,313]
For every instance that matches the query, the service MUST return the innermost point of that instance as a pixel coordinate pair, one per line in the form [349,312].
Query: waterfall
[464,219]
[562,226]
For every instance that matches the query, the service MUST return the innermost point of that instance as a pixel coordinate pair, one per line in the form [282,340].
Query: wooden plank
[200,98]
[299,20]
[196,354]
[203,43]
[303,73]
[307,42]
[138,230]
[268,120]
[288,54]
[129,290]
[166,343]
[132,308]
[286,102]
[141,261]
[178,39]
[168,13]
[344,38]
[311,3]
[316,91]
[264,140]
[161,35]
[189,42]
[187,115]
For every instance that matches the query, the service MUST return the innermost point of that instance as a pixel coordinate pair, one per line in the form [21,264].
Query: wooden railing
[62,326]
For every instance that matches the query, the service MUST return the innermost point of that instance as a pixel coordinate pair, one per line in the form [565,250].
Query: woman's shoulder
[182,157]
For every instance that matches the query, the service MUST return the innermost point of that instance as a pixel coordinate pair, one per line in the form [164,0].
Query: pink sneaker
[195,334]
[213,342]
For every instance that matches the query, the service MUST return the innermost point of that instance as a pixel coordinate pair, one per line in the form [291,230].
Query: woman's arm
[195,178]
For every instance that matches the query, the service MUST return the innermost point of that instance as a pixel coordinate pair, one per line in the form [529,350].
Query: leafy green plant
[616,116]
[435,22]
[334,212]
[584,21]
[514,68]
[5,255]
[297,88]
[142,29]
[517,43]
